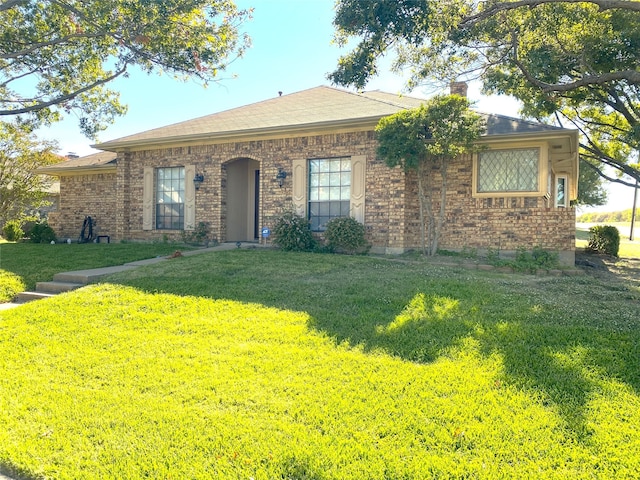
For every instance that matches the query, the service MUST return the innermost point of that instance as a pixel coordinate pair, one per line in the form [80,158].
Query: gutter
[235,135]
[108,168]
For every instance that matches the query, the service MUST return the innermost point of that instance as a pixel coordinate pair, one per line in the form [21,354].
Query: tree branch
[609,178]
[10,4]
[632,76]
[51,43]
[595,154]
[64,98]
[491,11]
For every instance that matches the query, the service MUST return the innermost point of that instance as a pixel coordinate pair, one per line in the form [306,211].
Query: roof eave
[235,135]
[62,171]
[543,134]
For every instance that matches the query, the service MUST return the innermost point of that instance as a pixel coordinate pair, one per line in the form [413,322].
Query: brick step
[25,297]
[57,287]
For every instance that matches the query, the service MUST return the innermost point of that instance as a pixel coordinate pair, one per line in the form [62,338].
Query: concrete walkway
[66,281]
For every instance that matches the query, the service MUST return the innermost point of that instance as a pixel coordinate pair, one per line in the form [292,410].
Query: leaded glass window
[329,190]
[170,198]
[514,170]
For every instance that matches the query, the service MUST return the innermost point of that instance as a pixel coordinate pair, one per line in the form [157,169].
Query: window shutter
[358,168]
[147,198]
[300,187]
[189,198]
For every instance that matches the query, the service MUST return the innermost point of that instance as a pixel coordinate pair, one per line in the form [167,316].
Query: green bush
[534,260]
[345,235]
[197,236]
[12,230]
[293,233]
[41,232]
[604,239]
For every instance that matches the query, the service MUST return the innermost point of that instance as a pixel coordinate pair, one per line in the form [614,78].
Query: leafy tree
[423,140]
[590,188]
[57,56]
[576,62]
[21,153]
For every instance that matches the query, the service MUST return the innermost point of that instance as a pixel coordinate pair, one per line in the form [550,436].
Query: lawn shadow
[424,330]
[419,315]
[561,365]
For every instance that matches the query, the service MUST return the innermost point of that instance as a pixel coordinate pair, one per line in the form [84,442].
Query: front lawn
[261,364]
[22,265]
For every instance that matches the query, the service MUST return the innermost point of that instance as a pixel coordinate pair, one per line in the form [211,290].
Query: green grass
[261,364]
[28,263]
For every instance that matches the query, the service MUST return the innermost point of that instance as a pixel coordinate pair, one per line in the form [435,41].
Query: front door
[243,198]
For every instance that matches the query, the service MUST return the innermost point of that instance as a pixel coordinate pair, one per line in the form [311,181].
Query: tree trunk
[443,198]
[421,203]
[427,206]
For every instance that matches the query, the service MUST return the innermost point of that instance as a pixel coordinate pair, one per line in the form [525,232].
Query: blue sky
[292,50]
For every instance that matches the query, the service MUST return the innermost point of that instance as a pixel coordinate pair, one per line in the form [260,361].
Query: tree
[423,140]
[58,56]
[576,62]
[590,188]
[21,154]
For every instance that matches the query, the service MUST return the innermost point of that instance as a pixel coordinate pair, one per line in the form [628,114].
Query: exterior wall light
[197,180]
[281,176]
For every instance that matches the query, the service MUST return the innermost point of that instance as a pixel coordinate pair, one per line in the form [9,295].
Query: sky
[292,50]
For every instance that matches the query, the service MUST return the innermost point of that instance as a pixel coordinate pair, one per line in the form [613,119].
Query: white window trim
[543,171]
[566,191]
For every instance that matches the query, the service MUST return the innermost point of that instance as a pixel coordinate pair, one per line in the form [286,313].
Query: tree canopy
[21,154]
[58,56]
[575,62]
[436,132]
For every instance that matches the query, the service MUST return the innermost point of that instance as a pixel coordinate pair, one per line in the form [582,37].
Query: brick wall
[501,223]
[391,201]
[83,195]
[383,198]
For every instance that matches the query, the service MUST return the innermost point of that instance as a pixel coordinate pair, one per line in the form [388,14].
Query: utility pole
[633,211]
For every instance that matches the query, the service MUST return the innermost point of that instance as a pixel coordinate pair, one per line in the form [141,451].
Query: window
[513,170]
[170,198]
[561,191]
[329,190]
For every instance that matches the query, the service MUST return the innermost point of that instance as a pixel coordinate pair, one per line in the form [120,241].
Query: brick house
[315,151]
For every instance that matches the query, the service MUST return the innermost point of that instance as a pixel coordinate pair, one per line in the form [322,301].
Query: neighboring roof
[95,161]
[502,125]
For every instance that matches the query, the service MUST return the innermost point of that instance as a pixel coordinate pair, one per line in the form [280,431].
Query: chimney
[458,88]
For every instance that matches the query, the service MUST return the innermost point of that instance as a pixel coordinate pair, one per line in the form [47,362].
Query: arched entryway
[243,198]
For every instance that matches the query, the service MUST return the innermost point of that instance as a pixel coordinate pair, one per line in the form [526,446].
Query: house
[315,151]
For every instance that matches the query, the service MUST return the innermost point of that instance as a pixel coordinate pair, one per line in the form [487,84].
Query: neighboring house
[86,187]
[315,151]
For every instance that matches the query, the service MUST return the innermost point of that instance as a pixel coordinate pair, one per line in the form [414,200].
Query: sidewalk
[85,277]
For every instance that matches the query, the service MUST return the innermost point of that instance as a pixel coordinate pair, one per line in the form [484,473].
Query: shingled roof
[312,109]
[95,161]
[301,111]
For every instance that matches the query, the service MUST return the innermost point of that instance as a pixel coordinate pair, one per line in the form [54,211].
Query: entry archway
[243,199]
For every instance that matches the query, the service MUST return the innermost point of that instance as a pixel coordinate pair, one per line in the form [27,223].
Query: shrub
[537,258]
[41,232]
[604,239]
[293,233]
[12,230]
[198,236]
[346,235]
